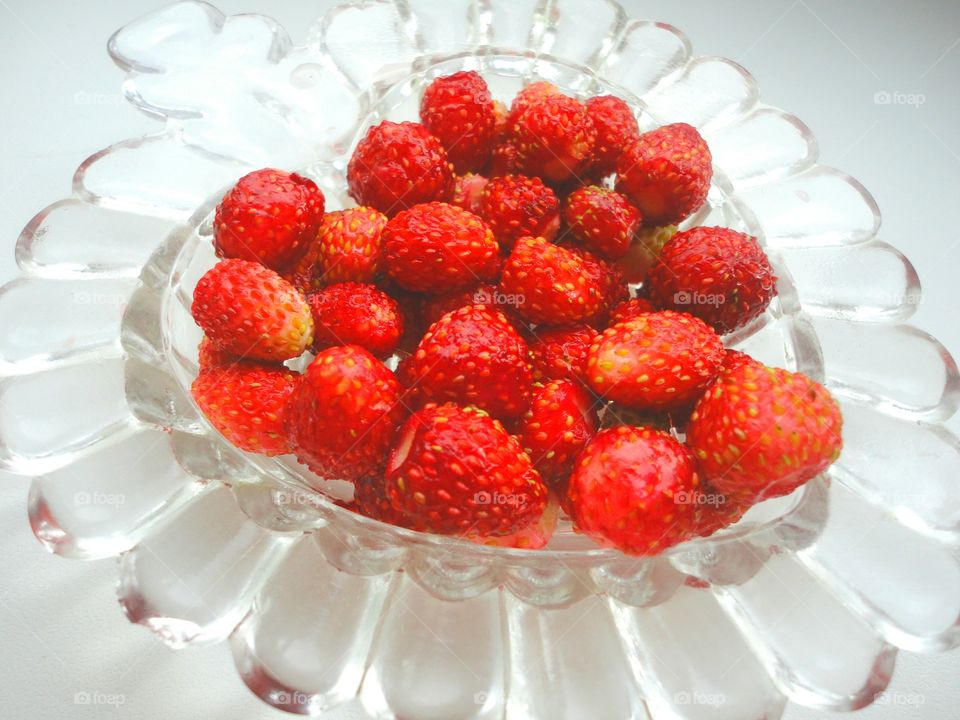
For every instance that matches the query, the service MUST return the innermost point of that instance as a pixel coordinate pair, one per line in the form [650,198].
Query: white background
[60,629]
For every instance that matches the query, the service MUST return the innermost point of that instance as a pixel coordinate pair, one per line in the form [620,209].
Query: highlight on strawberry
[518,323]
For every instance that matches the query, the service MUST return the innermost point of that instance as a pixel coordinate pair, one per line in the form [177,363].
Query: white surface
[60,630]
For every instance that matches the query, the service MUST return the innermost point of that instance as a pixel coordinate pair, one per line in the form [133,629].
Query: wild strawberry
[269,216]
[343,415]
[721,276]
[629,309]
[437,247]
[643,252]
[528,95]
[762,432]
[468,192]
[459,111]
[472,356]
[608,278]
[666,173]
[456,470]
[560,422]
[515,206]
[245,402]
[347,248]
[356,314]
[559,286]
[249,311]
[554,138]
[631,488]
[398,165]
[532,537]
[616,128]
[503,161]
[604,221]
[656,361]
[558,353]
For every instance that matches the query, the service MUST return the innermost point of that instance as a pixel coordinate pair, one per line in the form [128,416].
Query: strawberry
[656,361]
[250,311]
[629,309]
[343,415]
[558,353]
[398,165]
[347,248]
[716,511]
[602,220]
[559,286]
[269,216]
[456,470]
[531,537]
[528,95]
[721,276]
[356,314]
[503,161]
[666,173]
[560,422]
[762,432]
[370,499]
[473,356]
[554,138]
[630,489]
[643,252]
[459,111]
[616,128]
[468,192]
[437,247]
[515,206]
[245,402]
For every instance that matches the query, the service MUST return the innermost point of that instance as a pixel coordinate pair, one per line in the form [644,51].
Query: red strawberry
[559,286]
[762,432]
[468,192]
[616,128]
[603,220]
[356,314]
[210,356]
[459,111]
[629,309]
[342,417]
[528,95]
[473,356]
[657,361]
[558,353]
[269,216]
[643,252]
[503,161]
[245,401]
[666,173]
[456,470]
[630,489]
[347,248]
[370,499]
[437,247]
[532,537]
[398,165]
[721,276]
[560,422]
[554,138]
[249,311]
[716,511]
[516,206]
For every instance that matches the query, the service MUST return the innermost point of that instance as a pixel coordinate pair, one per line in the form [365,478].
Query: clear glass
[806,600]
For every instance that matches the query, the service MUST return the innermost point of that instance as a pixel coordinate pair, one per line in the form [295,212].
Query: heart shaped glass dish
[807,599]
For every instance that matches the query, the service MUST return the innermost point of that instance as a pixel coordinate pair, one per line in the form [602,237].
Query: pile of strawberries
[507,326]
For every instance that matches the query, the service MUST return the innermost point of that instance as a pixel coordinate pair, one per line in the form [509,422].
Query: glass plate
[807,599]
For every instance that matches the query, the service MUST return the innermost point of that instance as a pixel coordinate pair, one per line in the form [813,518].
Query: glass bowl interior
[298,499]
